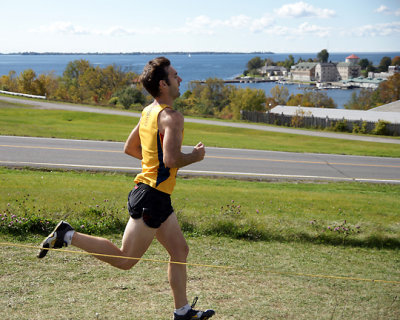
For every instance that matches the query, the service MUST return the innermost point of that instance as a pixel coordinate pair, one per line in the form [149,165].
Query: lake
[196,66]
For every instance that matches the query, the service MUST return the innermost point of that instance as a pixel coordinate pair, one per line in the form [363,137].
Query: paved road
[81,108]
[254,164]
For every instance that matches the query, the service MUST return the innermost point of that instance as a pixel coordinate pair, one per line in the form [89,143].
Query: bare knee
[180,253]
[126,264]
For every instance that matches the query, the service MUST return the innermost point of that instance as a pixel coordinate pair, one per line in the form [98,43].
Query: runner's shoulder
[171,116]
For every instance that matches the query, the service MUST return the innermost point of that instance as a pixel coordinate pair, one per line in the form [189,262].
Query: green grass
[72,286]
[285,212]
[17,120]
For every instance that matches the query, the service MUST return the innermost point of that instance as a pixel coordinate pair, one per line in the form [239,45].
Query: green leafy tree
[210,97]
[366,66]
[130,96]
[289,62]
[46,84]
[313,99]
[70,87]
[295,100]
[254,64]
[363,101]
[384,64]
[246,99]
[82,82]
[323,56]
[269,62]
[9,82]
[319,99]
[26,81]
[280,94]
[364,63]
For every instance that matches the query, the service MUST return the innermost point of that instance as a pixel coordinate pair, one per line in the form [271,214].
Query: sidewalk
[314,133]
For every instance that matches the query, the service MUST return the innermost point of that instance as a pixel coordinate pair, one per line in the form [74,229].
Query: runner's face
[174,83]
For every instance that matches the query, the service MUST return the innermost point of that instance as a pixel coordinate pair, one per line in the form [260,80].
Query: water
[194,67]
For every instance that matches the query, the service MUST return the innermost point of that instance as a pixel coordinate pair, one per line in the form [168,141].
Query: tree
[26,81]
[9,82]
[46,85]
[389,90]
[246,99]
[323,56]
[364,63]
[70,88]
[280,94]
[366,66]
[210,97]
[396,61]
[91,85]
[270,103]
[130,96]
[254,64]
[289,62]
[362,101]
[384,64]
[319,99]
[75,69]
[269,62]
[295,100]
[313,99]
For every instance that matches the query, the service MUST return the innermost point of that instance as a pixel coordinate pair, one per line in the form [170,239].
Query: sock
[182,311]
[68,236]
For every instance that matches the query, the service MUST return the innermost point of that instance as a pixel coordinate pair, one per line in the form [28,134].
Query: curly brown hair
[153,72]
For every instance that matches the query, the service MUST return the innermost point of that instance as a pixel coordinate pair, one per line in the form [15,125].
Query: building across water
[326,71]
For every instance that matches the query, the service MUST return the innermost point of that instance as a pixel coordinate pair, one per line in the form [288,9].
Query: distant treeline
[82,82]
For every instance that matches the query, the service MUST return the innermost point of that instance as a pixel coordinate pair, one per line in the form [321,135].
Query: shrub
[356,128]
[130,96]
[364,127]
[340,126]
[113,101]
[381,128]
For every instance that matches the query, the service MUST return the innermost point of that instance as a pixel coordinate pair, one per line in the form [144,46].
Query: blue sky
[199,25]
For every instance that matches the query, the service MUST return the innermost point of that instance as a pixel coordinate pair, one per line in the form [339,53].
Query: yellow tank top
[154,172]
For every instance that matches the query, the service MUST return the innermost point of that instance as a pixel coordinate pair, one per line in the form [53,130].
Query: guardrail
[23,94]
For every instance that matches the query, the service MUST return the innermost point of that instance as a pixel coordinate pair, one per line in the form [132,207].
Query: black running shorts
[150,204]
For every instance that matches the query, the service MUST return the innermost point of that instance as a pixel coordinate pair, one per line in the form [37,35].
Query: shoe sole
[45,245]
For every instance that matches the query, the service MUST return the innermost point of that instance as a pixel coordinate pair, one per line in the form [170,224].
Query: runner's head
[155,71]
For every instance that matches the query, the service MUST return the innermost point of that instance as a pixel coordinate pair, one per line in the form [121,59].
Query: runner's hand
[199,150]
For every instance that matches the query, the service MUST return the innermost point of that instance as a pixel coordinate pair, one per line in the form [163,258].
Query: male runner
[157,141]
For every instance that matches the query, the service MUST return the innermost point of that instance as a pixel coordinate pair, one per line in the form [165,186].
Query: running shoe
[195,314]
[55,240]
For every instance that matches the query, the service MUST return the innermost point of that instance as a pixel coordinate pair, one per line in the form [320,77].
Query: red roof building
[353,56]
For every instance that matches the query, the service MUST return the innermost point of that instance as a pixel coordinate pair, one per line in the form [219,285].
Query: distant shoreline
[128,53]
[33,53]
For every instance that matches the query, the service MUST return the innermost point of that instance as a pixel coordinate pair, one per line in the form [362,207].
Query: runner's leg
[136,240]
[171,237]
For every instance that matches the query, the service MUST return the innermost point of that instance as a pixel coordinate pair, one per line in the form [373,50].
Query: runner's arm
[171,123]
[133,145]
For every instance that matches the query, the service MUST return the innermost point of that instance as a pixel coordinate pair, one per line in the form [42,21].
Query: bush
[340,126]
[364,127]
[356,128]
[113,101]
[381,128]
[130,96]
